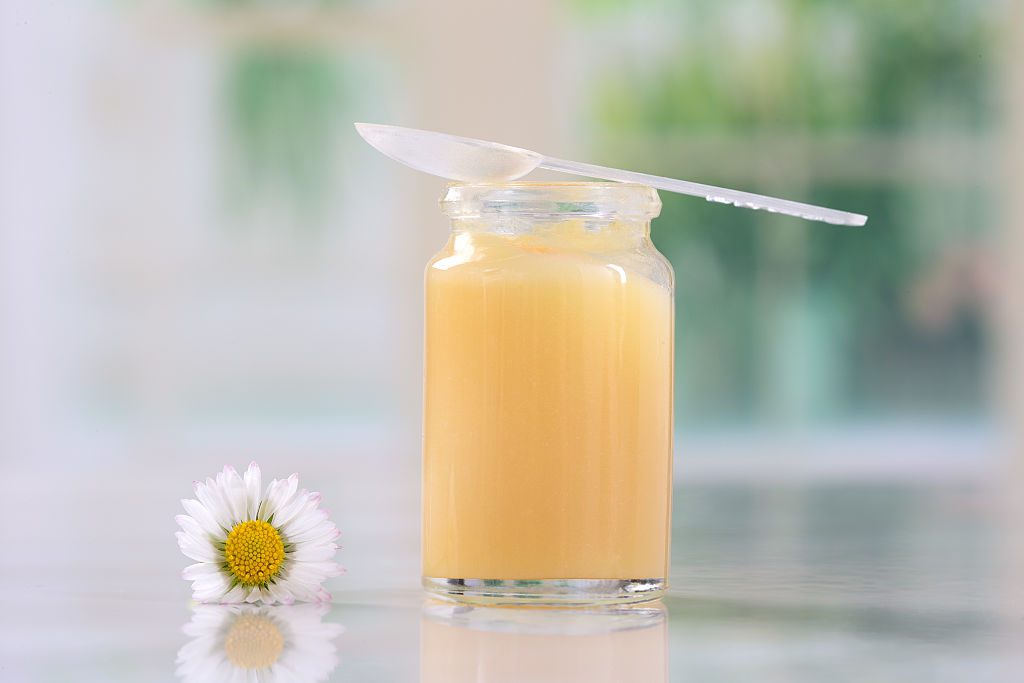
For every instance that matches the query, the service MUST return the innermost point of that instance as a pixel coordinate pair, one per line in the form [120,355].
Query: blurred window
[885,108]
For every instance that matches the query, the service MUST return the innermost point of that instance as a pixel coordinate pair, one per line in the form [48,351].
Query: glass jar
[547,454]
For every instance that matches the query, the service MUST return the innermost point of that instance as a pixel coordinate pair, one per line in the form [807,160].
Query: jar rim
[607,200]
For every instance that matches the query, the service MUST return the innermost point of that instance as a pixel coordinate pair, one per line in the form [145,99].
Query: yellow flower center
[254,552]
[253,642]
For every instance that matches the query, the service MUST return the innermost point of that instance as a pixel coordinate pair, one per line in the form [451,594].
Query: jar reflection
[460,644]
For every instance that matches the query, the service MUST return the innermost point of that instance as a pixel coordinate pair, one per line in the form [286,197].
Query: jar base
[546,592]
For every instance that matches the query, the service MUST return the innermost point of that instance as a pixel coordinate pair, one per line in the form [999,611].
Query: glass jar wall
[548,397]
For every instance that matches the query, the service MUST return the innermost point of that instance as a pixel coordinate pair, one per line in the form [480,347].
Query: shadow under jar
[547,454]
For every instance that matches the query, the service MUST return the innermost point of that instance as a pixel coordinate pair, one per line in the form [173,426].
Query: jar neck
[554,231]
[584,216]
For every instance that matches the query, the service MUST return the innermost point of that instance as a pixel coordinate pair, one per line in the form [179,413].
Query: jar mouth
[550,200]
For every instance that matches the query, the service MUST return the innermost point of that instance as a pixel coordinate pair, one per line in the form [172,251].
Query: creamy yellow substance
[547,433]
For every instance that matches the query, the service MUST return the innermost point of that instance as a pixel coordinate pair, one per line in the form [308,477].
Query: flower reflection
[258,643]
[504,645]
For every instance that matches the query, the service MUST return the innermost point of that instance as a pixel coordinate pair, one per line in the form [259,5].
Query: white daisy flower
[252,545]
[258,644]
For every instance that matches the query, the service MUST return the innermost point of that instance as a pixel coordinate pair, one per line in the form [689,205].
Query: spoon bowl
[450,156]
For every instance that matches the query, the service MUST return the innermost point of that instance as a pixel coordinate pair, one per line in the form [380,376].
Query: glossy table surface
[827,582]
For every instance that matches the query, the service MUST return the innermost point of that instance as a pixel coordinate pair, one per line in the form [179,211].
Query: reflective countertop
[401,636]
[869,581]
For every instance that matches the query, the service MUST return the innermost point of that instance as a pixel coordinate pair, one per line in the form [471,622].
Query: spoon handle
[711,193]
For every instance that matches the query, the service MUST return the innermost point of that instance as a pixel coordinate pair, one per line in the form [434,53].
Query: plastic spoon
[466,159]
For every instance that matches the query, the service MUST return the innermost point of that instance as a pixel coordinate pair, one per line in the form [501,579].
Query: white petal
[302,574]
[206,621]
[225,672]
[327,569]
[209,588]
[209,495]
[237,675]
[296,575]
[203,517]
[304,580]
[253,488]
[279,494]
[323,532]
[232,493]
[301,507]
[195,549]
[236,594]
[215,488]
[187,540]
[314,552]
[194,571]
[306,518]
[198,647]
[280,594]
[216,584]
[303,591]
[295,667]
[243,598]
[271,498]
[190,526]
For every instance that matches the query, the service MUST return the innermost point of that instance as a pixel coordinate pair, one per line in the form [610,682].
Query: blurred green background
[203,263]
[848,104]
[889,109]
